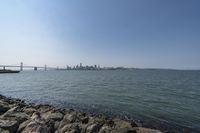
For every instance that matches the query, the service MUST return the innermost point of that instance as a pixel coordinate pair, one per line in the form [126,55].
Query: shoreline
[16,116]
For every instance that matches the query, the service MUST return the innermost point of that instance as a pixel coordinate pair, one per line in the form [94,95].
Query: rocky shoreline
[16,116]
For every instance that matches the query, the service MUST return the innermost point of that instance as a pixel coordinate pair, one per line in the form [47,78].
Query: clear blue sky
[131,33]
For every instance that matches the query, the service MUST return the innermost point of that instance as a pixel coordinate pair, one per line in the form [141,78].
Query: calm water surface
[167,97]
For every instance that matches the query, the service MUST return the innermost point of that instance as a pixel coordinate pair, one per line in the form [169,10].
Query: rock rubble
[18,117]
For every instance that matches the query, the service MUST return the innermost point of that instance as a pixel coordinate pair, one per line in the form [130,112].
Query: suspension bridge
[21,67]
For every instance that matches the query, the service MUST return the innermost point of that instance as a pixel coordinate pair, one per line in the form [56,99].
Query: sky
[128,33]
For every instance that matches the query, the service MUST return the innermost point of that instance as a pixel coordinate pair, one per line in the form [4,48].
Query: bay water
[168,98]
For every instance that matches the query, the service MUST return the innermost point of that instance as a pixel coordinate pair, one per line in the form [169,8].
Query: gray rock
[98,120]
[29,110]
[85,120]
[134,124]
[36,127]
[18,116]
[15,117]
[126,130]
[53,116]
[4,131]
[70,128]
[36,117]
[94,128]
[146,130]
[56,125]
[22,126]
[13,109]
[121,124]
[43,108]
[110,123]
[105,129]
[71,118]
[3,108]
[68,118]
[10,125]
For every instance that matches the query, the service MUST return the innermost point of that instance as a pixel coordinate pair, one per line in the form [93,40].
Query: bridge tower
[45,67]
[35,68]
[21,66]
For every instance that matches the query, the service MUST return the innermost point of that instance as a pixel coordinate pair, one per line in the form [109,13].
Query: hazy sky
[132,33]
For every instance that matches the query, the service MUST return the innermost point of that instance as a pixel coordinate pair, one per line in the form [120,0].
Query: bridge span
[22,67]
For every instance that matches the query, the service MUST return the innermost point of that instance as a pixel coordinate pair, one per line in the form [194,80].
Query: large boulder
[37,128]
[56,125]
[56,116]
[85,120]
[71,118]
[36,124]
[29,110]
[22,126]
[70,128]
[11,119]
[68,118]
[9,125]
[93,128]
[121,124]
[13,114]
[105,129]
[43,108]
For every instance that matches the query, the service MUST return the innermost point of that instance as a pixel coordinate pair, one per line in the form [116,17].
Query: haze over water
[167,97]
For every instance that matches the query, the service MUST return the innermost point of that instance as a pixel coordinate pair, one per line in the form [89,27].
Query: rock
[3,108]
[22,126]
[98,120]
[68,118]
[29,110]
[121,124]
[94,128]
[71,118]
[56,125]
[43,108]
[83,114]
[36,116]
[111,123]
[70,128]
[134,124]
[10,125]
[105,129]
[85,120]
[74,131]
[18,116]
[35,127]
[53,116]
[14,109]
[4,131]
[126,130]
[146,130]
[50,124]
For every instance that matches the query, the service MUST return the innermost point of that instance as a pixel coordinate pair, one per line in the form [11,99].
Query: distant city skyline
[111,33]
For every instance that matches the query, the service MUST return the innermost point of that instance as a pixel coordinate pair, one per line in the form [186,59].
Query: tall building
[81,65]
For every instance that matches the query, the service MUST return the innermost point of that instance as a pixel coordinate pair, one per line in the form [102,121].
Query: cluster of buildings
[81,67]
[94,67]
